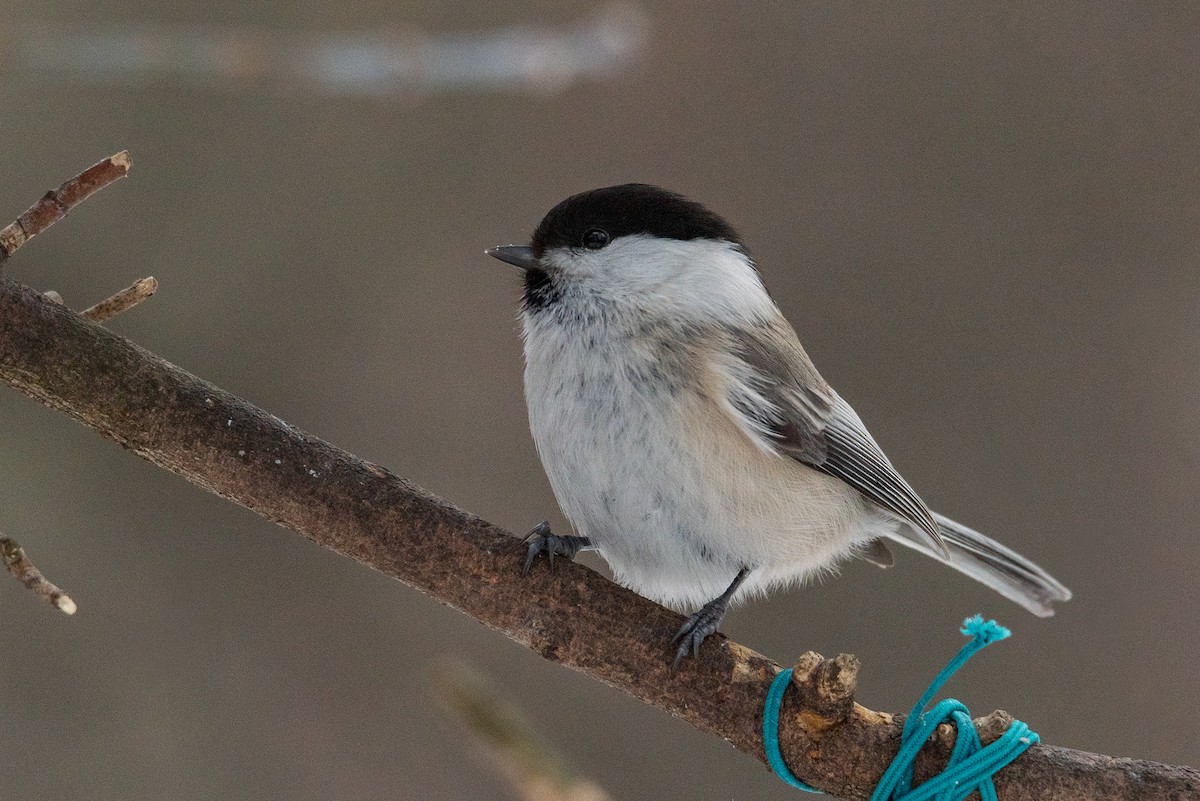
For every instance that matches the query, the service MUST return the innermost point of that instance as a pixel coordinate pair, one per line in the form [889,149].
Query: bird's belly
[677,498]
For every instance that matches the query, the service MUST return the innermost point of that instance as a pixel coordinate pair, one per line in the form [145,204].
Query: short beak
[516,255]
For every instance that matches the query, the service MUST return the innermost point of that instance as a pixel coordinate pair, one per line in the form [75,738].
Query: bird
[687,435]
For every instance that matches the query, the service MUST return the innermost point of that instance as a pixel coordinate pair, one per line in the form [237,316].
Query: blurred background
[983,221]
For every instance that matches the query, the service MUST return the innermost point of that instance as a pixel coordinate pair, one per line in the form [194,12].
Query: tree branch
[55,204]
[124,300]
[25,571]
[572,616]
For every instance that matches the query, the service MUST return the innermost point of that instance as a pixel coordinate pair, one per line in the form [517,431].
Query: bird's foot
[698,626]
[541,539]
[705,622]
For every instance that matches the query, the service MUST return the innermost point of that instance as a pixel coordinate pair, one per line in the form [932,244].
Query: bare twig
[125,299]
[57,202]
[27,573]
[572,616]
[531,765]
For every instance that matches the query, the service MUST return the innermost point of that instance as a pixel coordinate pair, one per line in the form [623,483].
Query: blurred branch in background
[529,763]
[572,616]
[394,61]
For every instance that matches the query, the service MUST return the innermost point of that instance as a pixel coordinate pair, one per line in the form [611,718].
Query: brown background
[984,222]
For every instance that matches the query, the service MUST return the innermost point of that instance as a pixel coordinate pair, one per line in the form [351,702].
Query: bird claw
[696,628]
[541,539]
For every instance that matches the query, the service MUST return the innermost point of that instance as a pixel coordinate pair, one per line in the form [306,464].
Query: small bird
[687,435]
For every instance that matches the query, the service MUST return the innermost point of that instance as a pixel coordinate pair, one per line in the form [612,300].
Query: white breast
[645,463]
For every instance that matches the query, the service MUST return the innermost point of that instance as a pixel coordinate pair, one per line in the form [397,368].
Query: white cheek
[700,279]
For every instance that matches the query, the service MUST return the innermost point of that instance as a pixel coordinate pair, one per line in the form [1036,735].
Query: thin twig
[26,572]
[127,298]
[572,616]
[533,767]
[57,202]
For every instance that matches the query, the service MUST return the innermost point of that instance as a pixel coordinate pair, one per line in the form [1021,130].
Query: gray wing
[857,459]
[785,399]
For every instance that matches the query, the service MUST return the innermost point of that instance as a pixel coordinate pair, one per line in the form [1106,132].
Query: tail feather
[992,564]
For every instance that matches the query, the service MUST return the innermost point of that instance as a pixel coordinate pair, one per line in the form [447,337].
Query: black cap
[628,209]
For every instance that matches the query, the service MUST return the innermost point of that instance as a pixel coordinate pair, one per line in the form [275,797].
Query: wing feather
[857,459]
[785,404]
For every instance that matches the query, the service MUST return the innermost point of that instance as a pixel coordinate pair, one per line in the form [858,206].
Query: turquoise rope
[771,732]
[971,766]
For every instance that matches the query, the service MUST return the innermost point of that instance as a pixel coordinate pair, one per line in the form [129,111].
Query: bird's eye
[595,238]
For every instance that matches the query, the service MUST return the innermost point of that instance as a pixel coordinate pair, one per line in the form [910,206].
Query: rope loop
[971,766]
